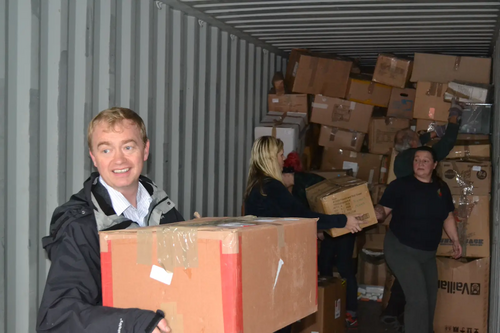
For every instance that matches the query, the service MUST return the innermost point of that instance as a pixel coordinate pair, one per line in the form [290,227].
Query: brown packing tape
[177,246]
[103,242]
[439,90]
[371,86]
[432,89]
[457,63]
[333,132]
[354,139]
[277,123]
[313,68]
[341,112]
[175,320]
[144,246]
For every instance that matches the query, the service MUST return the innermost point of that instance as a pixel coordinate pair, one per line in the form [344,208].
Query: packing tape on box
[436,89]
[354,139]
[457,63]
[333,133]
[462,213]
[394,63]
[319,106]
[313,68]
[466,185]
[174,319]
[177,246]
[144,246]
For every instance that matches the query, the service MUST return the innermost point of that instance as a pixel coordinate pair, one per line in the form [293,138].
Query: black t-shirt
[418,211]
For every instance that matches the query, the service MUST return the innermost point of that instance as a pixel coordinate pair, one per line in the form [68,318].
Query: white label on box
[289,219]
[276,100]
[280,264]
[383,170]
[320,106]
[265,220]
[353,154]
[476,168]
[294,73]
[159,274]
[338,306]
[235,225]
[351,165]
[353,106]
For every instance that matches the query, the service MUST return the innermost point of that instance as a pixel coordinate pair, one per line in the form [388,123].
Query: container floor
[368,319]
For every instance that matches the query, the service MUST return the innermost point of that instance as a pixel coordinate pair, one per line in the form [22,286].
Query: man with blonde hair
[116,197]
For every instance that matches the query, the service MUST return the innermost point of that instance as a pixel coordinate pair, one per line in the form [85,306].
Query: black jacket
[277,201]
[72,300]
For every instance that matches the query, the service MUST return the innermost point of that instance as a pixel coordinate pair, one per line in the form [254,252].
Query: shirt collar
[118,200]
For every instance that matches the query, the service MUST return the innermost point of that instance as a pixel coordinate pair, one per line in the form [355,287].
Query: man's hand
[457,250]
[162,327]
[456,111]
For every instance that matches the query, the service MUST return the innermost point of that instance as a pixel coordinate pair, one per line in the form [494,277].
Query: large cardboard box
[363,90]
[464,177]
[401,103]
[290,128]
[463,292]
[429,102]
[472,215]
[364,166]
[476,119]
[330,317]
[382,133]
[215,275]
[445,68]
[343,195]
[336,112]
[288,103]
[392,71]
[470,152]
[318,75]
[372,269]
[333,174]
[467,92]
[340,139]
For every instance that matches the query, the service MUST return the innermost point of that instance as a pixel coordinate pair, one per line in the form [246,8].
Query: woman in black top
[266,195]
[421,205]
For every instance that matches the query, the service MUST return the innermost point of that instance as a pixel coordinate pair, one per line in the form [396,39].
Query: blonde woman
[266,194]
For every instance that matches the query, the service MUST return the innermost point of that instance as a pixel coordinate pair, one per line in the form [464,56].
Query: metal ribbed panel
[200,90]
[362,28]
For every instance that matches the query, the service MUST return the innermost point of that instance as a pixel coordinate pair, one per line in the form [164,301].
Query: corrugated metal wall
[199,89]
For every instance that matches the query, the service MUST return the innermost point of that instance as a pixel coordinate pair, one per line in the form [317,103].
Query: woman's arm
[450,227]
[381,212]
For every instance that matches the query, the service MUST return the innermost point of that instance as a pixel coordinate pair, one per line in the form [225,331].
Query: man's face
[119,154]
[415,141]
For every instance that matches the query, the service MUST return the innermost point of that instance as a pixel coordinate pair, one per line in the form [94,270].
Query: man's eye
[105,151]
[128,148]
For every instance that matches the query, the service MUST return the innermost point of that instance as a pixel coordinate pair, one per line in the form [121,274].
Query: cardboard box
[364,166]
[470,152]
[291,129]
[293,65]
[382,133]
[330,317]
[474,139]
[476,119]
[426,125]
[310,74]
[343,195]
[371,268]
[335,112]
[472,215]
[340,139]
[391,176]
[215,274]
[429,102]
[392,71]
[288,103]
[467,92]
[462,302]
[375,242]
[363,90]
[333,174]
[279,87]
[445,68]
[401,103]
[464,177]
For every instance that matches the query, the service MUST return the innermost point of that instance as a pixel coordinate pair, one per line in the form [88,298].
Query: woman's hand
[457,250]
[353,224]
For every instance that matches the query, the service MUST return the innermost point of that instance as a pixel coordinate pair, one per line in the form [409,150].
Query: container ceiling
[363,28]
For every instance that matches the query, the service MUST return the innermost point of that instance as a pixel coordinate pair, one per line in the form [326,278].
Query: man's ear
[92,157]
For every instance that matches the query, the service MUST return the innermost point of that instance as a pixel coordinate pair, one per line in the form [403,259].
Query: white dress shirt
[122,206]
